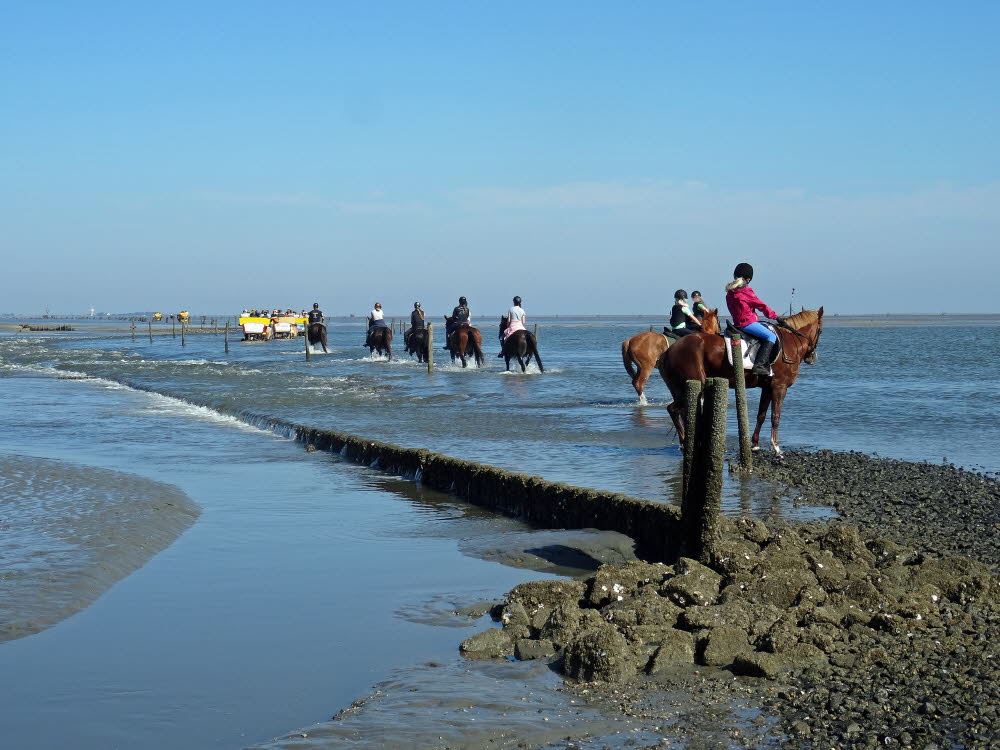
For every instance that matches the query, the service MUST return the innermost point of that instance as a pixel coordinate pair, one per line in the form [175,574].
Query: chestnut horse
[520,345]
[644,350]
[465,341]
[700,356]
[380,340]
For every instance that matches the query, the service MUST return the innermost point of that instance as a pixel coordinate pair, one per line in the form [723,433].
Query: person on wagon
[743,304]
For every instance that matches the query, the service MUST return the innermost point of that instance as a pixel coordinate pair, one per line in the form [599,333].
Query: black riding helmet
[695,293]
[744,271]
[463,301]
[680,294]
[416,305]
[315,305]
[517,301]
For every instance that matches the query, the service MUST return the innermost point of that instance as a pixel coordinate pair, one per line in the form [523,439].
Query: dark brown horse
[465,341]
[700,356]
[520,345]
[644,350]
[380,340]
[416,343]
[317,335]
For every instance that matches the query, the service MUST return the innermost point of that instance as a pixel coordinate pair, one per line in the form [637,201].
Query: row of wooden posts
[704,455]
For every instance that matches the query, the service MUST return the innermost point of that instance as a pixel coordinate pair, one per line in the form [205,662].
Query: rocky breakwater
[880,643]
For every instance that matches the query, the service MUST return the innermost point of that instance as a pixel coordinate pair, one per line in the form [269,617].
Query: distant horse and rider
[461,339]
[519,344]
[316,330]
[642,352]
[379,334]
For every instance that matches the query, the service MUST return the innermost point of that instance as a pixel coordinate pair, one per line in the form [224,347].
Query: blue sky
[589,157]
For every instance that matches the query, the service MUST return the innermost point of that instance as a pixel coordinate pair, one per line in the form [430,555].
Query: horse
[645,349]
[416,343]
[520,344]
[465,341]
[700,356]
[380,340]
[316,332]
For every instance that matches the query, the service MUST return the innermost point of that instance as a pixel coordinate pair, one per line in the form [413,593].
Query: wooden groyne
[654,526]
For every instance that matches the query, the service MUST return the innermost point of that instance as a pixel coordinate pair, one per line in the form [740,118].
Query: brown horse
[380,340]
[700,356]
[317,335]
[465,341]
[520,345]
[416,343]
[644,350]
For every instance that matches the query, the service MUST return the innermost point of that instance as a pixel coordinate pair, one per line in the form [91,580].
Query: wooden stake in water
[430,348]
[742,415]
[173,326]
[131,325]
[306,337]
[183,330]
[536,331]
[149,323]
[227,335]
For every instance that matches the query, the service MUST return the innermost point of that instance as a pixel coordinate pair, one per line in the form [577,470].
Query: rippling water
[283,602]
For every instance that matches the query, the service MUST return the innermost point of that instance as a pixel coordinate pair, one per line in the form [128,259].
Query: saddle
[750,345]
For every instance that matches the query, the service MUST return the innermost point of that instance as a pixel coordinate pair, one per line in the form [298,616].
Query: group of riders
[743,303]
[686,317]
[253,312]
[460,317]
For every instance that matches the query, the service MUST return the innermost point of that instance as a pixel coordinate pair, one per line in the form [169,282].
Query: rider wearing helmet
[515,322]
[461,315]
[743,304]
[376,319]
[416,322]
[698,307]
[682,320]
[315,315]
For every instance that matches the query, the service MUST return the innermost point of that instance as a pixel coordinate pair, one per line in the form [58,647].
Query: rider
[682,320]
[698,307]
[376,319]
[315,315]
[459,316]
[515,322]
[742,303]
[416,321]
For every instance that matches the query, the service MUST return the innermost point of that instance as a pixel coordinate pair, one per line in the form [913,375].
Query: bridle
[811,344]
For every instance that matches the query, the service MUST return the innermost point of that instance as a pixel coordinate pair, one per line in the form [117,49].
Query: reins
[812,346]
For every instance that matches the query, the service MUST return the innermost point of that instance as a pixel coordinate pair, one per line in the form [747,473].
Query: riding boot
[762,360]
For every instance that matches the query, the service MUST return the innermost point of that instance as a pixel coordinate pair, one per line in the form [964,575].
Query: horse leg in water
[461,343]
[777,398]
[765,402]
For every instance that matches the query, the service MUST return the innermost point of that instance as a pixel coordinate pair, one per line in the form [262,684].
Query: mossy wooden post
[149,324]
[742,416]
[692,396]
[306,337]
[183,332]
[702,501]
[536,331]
[131,325]
[227,335]
[430,348]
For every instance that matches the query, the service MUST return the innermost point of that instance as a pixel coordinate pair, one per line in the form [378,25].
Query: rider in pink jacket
[743,304]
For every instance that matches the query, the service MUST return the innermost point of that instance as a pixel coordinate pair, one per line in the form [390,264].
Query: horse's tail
[627,359]
[533,345]
[476,349]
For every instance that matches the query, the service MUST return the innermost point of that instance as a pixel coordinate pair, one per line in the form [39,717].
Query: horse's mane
[802,319]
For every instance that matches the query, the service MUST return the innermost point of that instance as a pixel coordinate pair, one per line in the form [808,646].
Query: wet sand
[70,532]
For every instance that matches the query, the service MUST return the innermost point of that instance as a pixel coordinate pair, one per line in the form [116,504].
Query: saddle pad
[749,345]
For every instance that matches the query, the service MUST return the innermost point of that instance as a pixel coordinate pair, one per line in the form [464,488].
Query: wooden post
[173,326]
[149,324]
[742,415]
[227,335]
[536,331]
[183,331]
[700,514]
[131,325]
[430,348]
[215,325]
[306,337]
[651,329]
[692,396]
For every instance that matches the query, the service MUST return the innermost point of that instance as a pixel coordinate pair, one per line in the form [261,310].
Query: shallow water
[307,580]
